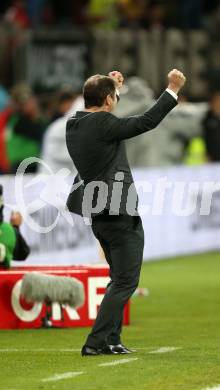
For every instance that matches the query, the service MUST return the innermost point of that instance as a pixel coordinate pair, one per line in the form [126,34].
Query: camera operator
[12,245]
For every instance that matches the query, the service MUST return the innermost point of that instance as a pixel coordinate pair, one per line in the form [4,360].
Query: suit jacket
[95,141]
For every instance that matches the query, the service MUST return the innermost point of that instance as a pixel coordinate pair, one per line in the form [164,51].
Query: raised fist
[117,77]
[176,80]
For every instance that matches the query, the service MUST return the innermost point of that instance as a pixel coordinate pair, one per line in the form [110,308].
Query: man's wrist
[171,92]
[173,88]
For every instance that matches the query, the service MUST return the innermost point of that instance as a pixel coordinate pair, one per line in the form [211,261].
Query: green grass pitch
[182,311]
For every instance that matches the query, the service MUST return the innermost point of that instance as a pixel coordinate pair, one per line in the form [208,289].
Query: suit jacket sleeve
[113,128]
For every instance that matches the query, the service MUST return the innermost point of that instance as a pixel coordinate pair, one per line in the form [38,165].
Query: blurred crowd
[24,120]
[33,126]
[146,14]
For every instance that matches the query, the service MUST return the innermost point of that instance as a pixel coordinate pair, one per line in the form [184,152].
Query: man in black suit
[104,192]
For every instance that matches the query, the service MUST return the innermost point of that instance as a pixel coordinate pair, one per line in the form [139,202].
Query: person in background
[132,13]
[190,14]
[64,102]
[17,15]
[35,11]
[25,129]
[4,118]
[169,144]
[211,128]
[54,150]
[103,13]
[12,244]
[4,98]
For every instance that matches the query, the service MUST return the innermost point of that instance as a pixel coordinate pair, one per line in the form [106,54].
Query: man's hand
[176,80]
[16,219]
[117,77]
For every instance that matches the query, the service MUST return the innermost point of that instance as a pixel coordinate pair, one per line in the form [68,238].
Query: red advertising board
[15,313]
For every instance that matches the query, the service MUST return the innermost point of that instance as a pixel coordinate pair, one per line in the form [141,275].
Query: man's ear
[108,100]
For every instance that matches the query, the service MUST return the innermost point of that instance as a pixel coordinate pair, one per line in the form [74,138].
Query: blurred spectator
[12,244]
[17,15]
[35,10]
[157,16]
[132,13]
[68,12]
[166,145]
[54,151]
[103,13]
[212,17]
[24,129]
[4,98]
[79,12]
[211,128]
[61,11]
[190,14]
[63,104]
[195,153]
[4,118]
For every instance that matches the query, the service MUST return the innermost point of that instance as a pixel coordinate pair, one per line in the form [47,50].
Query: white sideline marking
[165,349]
[213,388]
[114,363]
[68,375]
[65,375]
[158,350]
[40,350]
[46,349]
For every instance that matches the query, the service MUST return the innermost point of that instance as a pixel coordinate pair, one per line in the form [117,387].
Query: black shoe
[120,349]
[107,350]
[89,351]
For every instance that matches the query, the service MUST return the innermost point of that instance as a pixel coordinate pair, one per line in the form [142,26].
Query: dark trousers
[122,239]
